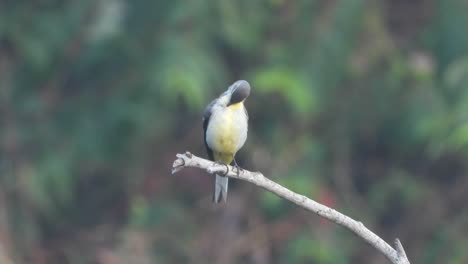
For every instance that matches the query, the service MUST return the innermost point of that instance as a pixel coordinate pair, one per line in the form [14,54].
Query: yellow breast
[227,129]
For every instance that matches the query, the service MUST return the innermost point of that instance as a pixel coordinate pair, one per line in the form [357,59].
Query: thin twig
[396,255]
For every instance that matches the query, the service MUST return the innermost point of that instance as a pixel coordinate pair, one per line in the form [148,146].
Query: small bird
[225,125]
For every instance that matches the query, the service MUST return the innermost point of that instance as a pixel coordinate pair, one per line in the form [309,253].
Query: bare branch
[396,255]
[401,251]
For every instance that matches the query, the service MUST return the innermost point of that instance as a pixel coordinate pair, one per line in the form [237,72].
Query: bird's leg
[227,168]
[239,169]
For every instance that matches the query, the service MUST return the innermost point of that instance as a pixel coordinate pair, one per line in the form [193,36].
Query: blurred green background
[361,105]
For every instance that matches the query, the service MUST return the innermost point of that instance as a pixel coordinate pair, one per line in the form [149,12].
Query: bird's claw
[238,169]
[227,168]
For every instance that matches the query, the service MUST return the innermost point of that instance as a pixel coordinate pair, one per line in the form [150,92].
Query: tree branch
[396,255]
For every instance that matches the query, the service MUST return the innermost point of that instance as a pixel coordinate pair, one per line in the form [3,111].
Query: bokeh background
[361,105]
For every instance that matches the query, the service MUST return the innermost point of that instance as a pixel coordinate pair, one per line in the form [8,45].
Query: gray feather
[221,189]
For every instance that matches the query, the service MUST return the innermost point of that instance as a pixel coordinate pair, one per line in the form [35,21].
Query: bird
[225,126]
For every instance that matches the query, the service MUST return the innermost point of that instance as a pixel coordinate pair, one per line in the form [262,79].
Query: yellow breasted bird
[225,125]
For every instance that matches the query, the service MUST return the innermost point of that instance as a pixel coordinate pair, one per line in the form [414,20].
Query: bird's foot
[227,169]
[238,168]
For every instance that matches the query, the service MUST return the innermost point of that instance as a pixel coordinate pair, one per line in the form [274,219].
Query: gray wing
[206,120]
[246,113]
[207,111]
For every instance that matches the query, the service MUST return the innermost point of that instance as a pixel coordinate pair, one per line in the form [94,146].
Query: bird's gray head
[239,91]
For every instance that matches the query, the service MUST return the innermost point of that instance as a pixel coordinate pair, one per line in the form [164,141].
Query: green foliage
[289,85]
[304,249]
[399,184]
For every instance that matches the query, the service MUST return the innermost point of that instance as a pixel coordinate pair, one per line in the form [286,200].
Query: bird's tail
[221,189]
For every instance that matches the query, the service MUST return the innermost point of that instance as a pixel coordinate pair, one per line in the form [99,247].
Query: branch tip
[399,247]
[178,164]
[401,251]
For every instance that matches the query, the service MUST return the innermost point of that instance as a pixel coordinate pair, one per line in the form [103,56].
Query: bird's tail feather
[221,189]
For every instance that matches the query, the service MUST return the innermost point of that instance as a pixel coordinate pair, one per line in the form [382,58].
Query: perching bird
[225,130]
